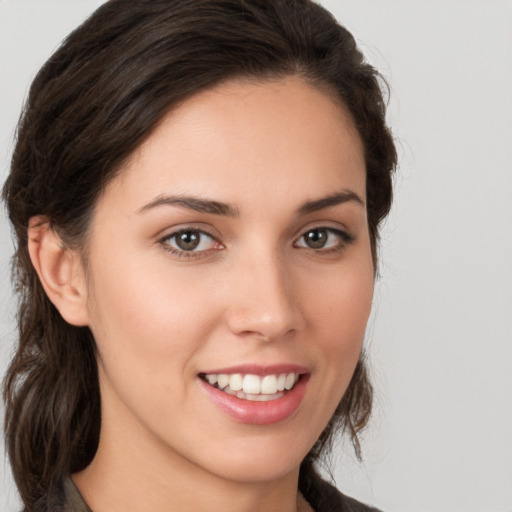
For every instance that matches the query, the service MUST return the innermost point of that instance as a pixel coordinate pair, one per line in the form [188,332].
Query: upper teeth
[254,384]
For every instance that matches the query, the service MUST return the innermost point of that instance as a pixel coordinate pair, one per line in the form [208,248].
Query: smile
[253,387]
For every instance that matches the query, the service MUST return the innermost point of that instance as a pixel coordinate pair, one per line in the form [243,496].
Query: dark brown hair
[92,104]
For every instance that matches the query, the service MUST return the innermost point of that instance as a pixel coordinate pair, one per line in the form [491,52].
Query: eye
[189,242]
[324,239]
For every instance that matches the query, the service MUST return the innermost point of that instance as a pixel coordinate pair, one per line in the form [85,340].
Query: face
[230,280]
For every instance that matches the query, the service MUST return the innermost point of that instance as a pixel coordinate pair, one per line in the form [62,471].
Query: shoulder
[321,495]
[324,497]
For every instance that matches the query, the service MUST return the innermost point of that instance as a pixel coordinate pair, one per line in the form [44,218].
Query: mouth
[255,388]
[257,395]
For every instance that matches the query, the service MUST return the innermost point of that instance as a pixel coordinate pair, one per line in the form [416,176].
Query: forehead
[243,139]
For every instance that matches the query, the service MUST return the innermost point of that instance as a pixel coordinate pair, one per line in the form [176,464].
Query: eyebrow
[193,203]
[335,199]
[219,208]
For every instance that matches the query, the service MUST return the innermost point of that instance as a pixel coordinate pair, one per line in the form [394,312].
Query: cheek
[146,321]
[340,315]
[344,303]
[147,328]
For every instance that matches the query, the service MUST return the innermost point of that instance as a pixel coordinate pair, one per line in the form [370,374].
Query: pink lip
[258,413]
[255,369]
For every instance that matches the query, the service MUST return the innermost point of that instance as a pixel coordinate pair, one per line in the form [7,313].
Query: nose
[263,303]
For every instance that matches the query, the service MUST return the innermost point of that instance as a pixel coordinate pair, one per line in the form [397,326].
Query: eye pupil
[188,240]
[316,238]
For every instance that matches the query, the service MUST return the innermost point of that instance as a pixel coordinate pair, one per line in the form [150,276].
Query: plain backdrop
[440,337]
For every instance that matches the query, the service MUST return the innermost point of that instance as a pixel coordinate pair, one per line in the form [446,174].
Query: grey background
[441,334]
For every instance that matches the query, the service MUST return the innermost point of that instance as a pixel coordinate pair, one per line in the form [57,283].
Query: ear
[60,271]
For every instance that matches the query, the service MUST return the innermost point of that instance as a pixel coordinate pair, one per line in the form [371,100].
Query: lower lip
[258,413]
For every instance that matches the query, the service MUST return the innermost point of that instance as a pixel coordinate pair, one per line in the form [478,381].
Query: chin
[261,462]
[253,472]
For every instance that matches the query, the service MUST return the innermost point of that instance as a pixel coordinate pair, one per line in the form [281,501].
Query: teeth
[290,381]
[212,379]
[236,382]
[253,387]
[269,385]
[252,384]
[222,380]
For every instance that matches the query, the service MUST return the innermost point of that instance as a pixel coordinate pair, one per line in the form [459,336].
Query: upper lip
[257,369]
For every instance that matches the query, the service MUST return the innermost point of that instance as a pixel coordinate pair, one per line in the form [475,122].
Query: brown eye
[324,239]
[191,241]
[188,240]
[316,238]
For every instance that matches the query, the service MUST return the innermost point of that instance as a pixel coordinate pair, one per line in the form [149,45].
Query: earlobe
[60,271]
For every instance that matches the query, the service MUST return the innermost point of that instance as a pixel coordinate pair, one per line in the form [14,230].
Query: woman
[196,192]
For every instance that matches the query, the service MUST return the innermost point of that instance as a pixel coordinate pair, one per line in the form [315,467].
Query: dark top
[323,497]
[73,502]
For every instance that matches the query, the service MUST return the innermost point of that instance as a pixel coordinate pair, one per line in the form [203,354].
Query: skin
[254,292]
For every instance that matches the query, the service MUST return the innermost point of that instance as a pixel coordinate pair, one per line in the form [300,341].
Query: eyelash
[344,237]
[181,253]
